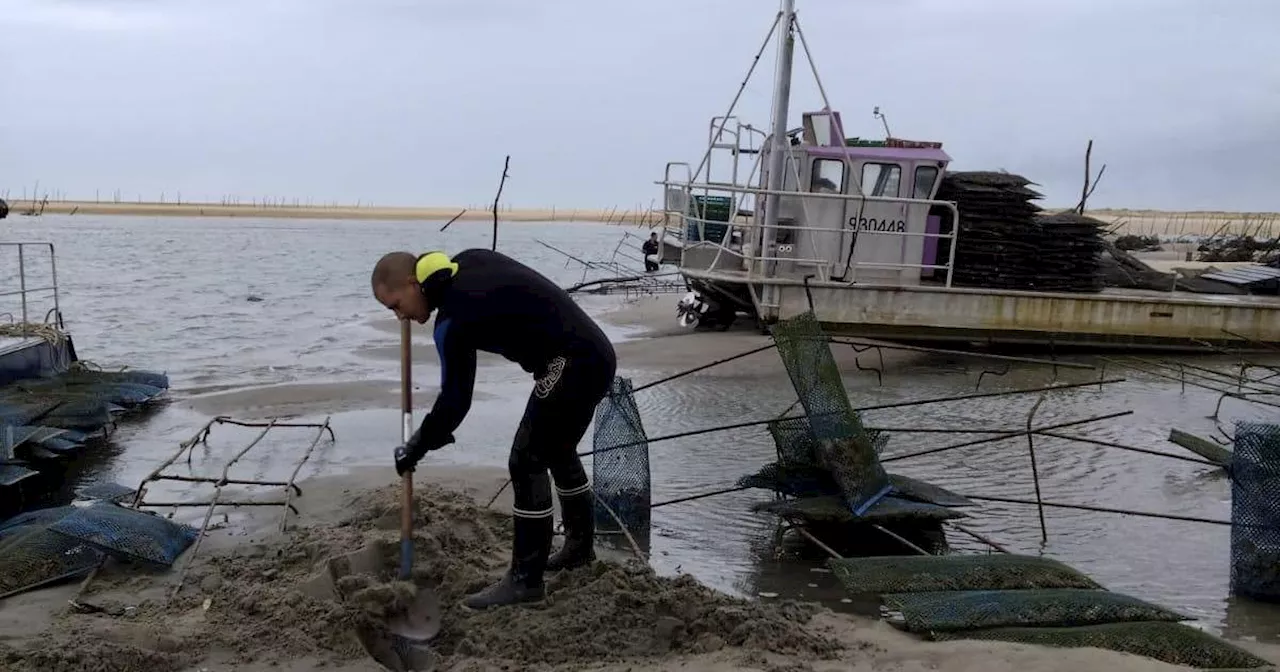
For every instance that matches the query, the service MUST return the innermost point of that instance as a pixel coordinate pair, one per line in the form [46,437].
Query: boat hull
[1110,319]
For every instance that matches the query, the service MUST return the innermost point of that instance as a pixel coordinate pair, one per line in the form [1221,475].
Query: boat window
[817,128]
[827,177]
[881,179]
[926,176]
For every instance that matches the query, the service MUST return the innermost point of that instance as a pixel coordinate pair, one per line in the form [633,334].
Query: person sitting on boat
[650,250]
[486,301]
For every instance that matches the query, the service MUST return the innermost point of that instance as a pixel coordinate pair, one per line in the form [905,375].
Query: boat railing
[720,234]
[30,290]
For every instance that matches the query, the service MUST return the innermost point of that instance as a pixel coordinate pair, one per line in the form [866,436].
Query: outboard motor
[4,209]
[690,309]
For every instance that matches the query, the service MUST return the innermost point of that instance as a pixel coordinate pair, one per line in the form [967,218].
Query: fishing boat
[855,231]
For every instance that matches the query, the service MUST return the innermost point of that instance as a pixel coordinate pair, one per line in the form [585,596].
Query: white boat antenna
[883,120]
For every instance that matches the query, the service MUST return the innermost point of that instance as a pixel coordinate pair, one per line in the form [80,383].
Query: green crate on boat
[712,213]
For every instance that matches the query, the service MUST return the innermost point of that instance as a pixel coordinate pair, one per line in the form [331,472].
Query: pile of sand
[256,605]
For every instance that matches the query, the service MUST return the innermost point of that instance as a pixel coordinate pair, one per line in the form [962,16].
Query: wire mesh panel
[38,517]
[794,481]
[922,491]
[843,446]
[1255,511]
[19,409]
[854,466]
[816,378]
[32,556]
[148,378]
[13,474]
[12,436]
[127,533]
[1173,643]
[110,492]
[80,413]
[979,609]
[832,509]
[794,441]
[929,573]
[620,467]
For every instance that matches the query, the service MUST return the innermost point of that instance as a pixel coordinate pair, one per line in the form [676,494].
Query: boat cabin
[859,239]
[871,232]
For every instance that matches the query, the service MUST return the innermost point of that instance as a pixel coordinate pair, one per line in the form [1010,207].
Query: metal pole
[53,267]
[22,287]
[781,110]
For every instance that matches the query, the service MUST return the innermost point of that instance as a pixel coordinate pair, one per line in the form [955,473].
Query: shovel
[411,630]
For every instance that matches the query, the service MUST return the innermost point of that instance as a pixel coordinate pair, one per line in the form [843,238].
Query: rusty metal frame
[201,436]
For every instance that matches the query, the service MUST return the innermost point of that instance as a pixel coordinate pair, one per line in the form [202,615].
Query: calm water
[174,295]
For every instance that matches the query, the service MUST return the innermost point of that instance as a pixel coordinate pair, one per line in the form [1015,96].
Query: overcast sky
[417,101]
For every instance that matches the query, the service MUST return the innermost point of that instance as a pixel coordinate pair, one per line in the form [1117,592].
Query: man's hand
[407,455]
[406,460]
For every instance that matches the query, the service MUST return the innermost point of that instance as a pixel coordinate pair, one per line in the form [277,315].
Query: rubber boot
[523,580]
[579,533]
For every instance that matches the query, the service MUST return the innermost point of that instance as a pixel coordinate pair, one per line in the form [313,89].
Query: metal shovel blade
[421,621]
[402,647]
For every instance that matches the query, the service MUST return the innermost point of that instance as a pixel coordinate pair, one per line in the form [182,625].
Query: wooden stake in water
[1035,472]
[406,430]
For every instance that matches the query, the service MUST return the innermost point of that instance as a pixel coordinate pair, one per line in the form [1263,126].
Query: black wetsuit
[496,304]
[650,247]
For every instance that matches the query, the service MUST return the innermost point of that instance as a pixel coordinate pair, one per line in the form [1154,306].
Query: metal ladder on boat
[726,134]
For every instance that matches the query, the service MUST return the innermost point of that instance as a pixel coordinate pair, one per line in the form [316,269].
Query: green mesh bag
[795,443]
[979,609]
[843,446]
[929,573]
[32,556]
[1172,643]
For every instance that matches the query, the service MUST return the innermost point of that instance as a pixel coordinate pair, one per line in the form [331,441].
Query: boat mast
[781,108]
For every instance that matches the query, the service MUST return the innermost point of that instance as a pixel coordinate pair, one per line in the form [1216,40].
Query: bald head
[395,286]
[393,270]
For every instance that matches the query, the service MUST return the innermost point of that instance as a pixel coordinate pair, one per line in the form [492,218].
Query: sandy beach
[251,601]
[1174,224]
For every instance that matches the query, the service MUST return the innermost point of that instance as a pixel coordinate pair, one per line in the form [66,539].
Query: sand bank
[250,603]
[445,213]
[1129,221]
[1199,223]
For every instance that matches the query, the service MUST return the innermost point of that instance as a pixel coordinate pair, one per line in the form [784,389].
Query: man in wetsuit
[487,301]
[650,251]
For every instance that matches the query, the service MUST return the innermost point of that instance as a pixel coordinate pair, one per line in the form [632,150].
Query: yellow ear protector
[433,269]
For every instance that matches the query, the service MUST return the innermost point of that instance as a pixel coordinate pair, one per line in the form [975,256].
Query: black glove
[408,454]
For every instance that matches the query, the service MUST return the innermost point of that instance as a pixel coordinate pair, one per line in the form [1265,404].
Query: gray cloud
[395,101]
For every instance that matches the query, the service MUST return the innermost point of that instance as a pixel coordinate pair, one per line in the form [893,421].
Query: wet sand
[251,602]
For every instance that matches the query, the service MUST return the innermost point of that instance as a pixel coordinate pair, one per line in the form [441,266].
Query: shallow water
[175,295]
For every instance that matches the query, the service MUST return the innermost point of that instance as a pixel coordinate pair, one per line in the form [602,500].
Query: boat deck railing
[32,290]
[731,252]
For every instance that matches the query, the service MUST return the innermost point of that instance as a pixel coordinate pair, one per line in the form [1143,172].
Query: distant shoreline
[1121,220]
[606,215]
